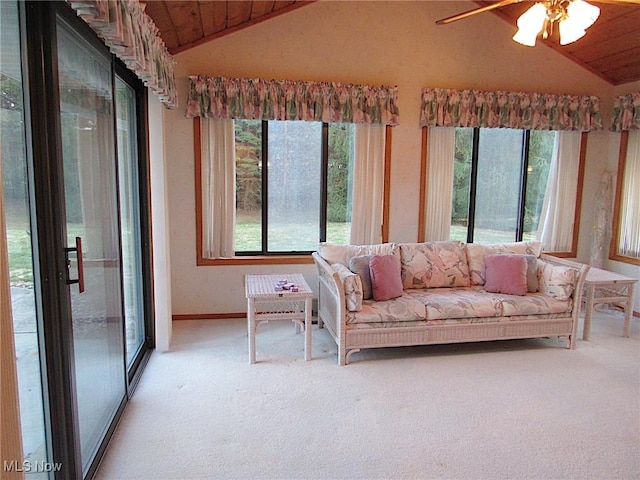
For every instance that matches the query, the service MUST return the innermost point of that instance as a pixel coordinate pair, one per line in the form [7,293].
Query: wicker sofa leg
[342,356]
[349,353]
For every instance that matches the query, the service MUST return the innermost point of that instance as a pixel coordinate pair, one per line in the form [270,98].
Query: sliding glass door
[92,232]
[130,224]
[23,280]
[72,138]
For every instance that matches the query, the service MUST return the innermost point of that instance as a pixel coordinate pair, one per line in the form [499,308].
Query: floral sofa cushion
[434,265]
[401,309]
[475,302]
[338,253]
[458,302]
[476,253]
[532,304]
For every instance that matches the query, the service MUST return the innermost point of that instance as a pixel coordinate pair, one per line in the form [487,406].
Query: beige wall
[623,268]
[160,224]
[390,43]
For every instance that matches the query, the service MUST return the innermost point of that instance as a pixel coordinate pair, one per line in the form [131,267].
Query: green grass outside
[294,237]
[302,236]
[19,245]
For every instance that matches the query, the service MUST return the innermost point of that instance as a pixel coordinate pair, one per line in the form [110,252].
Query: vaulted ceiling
[610,49]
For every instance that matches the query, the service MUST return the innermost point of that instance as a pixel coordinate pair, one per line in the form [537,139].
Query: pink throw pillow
[386,281]
[506,274]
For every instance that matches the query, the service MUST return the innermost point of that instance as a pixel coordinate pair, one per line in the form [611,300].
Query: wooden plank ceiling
[610,49]
[186,24]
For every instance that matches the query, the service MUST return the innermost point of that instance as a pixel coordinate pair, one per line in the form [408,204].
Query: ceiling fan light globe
[530,24]
[533,18]
[582,13]
[526,37]
[569,33]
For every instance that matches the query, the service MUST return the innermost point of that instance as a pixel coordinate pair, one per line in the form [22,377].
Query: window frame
[272,258]
[576,221]
[614,248]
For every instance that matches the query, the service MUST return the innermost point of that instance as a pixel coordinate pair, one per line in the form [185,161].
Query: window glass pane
[339,182]
[498,185]
[248,232]
[461,183]
[540,156]
[294,169]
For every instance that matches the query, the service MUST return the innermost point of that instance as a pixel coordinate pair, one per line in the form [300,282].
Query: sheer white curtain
[439,195]
[555,227]
[368,184]
[629,238]
[218,187]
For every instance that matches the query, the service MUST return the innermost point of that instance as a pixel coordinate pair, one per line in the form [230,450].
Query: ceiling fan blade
[460,16]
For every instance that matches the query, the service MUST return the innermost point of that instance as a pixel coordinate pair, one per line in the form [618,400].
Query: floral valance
[291,100]
[626,113]
[132,36]
[531,111]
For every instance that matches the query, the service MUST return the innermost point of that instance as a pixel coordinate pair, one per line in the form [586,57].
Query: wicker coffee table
[267,300]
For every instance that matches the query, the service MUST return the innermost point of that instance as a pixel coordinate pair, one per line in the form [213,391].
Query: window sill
[624,259]
[256,260]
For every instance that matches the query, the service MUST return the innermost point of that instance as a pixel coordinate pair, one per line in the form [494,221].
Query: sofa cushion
[506,274]
[457,302]
[434,265]
[532,304]
[556,281]
[352,287]
[360,266]
[386,282]
[338,253]
[401,309]
[477,251]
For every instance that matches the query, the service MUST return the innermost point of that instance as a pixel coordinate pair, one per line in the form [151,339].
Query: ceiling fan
[572,16]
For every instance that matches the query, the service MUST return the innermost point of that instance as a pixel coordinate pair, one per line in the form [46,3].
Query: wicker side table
[264,303]
[603,286]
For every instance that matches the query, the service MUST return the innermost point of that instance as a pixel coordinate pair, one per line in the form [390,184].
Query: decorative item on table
[284,284]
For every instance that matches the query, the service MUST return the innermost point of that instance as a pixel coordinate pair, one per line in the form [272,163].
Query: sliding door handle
[78,250]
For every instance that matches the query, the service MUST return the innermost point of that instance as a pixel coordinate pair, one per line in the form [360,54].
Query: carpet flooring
[521,409]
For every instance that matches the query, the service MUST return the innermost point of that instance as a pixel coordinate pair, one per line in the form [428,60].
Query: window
[500,183]
[625,242]
[293,184]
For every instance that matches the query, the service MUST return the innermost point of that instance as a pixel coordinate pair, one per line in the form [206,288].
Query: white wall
[390,43]
[160,224]
[629,270]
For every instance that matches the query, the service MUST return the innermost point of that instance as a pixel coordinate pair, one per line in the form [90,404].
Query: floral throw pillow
[434,265]
[556,281]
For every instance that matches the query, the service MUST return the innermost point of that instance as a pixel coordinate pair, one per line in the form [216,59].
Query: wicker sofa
[444,297]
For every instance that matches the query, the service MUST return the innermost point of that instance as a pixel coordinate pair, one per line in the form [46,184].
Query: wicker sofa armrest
[332,310]
[581,274]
